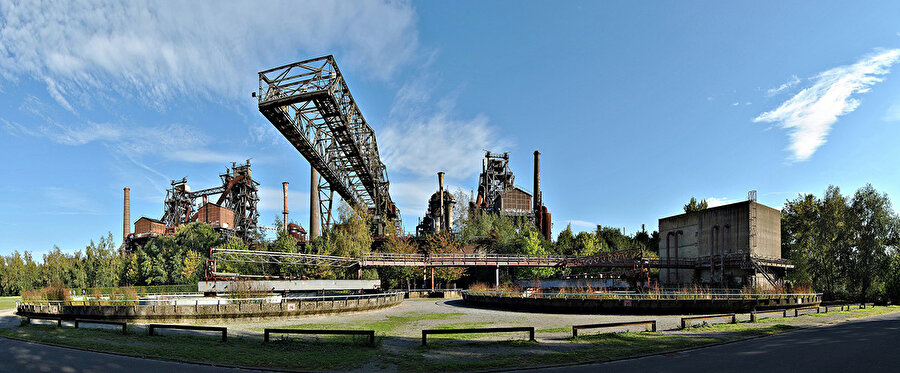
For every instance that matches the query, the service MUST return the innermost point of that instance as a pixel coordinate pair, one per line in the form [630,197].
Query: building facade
[729,246]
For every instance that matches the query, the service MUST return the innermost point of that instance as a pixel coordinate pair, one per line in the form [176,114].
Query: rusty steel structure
[498,194]
[439,215]
[310,103]
[632,259]
[238,193]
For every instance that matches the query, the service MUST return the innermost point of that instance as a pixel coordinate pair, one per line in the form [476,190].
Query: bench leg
[76,324]
[423,338]
[531,335]
[372,339]
[224,336]
[574,332]
[150,330]
[266,336]
[59,323]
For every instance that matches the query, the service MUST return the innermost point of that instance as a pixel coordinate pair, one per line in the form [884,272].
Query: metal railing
[633,296]
[200,302]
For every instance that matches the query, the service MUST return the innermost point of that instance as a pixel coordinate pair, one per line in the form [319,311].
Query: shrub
[56,291]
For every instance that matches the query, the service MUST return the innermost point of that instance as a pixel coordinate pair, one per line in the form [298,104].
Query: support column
[432,278]
[497,278]
[314,219]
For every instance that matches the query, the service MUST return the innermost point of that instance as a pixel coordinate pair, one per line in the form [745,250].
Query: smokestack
[441,198]
[537,182]
[285,212]
[126,218]
[313,203]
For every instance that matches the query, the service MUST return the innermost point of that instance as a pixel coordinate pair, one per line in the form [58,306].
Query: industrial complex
[735,246]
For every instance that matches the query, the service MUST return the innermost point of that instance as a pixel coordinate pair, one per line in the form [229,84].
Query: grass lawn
[8,303]
[344,353]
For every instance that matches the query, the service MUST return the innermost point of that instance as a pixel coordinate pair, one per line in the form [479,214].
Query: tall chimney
[441,226]
[126,218]
[313,203]
[537,182]
[285,212]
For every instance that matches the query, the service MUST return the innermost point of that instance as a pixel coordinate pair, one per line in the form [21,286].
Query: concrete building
[731,246]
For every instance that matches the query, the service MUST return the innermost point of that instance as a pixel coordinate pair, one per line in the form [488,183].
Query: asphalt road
[870,344]
[17,356]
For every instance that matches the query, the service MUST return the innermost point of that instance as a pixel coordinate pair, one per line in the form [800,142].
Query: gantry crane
[310,104]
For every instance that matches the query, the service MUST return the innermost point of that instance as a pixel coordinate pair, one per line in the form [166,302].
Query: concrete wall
[639,306]
[724,229]
[227,310]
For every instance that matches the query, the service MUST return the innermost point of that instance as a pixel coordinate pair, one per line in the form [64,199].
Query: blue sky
[636,107]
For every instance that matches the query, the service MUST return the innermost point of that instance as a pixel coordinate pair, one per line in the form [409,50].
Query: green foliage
[844,247]
[532,244]
[694,206]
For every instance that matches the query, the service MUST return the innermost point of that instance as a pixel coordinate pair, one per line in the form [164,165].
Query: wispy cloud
[582,224]
[892,114]
[425,134]
[155,51]
[716,201]
[784,87]
[810,114]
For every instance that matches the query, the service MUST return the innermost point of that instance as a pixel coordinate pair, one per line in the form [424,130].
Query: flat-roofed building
[732,245]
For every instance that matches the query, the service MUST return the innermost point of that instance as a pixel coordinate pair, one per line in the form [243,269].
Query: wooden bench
[576,328]
[797,310]
[51,318]
[753,314]
[684,320]
[222,329]
[369,333]
[104,322]
[528,329]
[865,305]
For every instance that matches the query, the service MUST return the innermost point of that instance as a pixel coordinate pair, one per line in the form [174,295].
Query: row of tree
[843,246]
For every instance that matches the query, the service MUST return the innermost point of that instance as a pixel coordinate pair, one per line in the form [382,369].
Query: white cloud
[438,143]
[157,50]
[810,114]
[582,224]
[714,201]
[893,113]
[788,85]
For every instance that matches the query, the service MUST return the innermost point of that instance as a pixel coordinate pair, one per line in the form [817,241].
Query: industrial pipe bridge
[631,258]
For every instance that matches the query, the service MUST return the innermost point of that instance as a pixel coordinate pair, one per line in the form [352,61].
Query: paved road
[17,356]
[871,344]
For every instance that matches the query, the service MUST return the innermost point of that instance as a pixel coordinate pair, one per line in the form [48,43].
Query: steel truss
[310,104]
[272,257]
[238,193]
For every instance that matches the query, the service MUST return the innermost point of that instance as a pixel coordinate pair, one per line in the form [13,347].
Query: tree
[531,243]
[565,241]
[694,206]
[873,224]
[192,268]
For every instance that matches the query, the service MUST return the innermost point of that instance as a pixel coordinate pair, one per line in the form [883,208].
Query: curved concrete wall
[288,307]
[648,306]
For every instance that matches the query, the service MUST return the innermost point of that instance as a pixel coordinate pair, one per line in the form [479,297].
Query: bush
[56,291]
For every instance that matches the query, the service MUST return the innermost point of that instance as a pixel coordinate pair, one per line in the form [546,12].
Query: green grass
[555,330]
[329,355]
[8,303]
[347,353]
[390,323]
